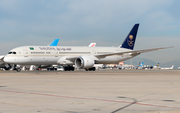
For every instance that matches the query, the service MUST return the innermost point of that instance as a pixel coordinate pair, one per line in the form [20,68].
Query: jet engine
[84,62]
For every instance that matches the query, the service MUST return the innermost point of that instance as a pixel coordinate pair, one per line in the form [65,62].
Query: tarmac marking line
[118,101]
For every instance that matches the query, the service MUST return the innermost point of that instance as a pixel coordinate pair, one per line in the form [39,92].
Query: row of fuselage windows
[62,52]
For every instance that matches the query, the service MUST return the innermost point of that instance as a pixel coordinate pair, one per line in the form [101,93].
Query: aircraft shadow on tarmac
[134,102]
[3,86]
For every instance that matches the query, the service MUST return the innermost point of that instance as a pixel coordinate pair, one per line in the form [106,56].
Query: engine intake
[84,62]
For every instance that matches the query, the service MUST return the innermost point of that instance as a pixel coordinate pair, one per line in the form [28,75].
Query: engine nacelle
[84,62]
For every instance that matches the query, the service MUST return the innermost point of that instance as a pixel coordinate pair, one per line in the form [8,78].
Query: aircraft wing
[130,52]
[72,59]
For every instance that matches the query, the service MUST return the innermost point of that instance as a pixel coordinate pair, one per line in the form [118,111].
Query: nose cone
[6,59]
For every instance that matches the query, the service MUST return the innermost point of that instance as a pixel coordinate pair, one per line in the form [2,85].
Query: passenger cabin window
[48,52]
[37,53]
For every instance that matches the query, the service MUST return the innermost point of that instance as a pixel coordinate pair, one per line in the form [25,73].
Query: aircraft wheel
[18,69]
[72,68]
[65,68]
[6,68]
[91,69]
[94,69]
[68,68]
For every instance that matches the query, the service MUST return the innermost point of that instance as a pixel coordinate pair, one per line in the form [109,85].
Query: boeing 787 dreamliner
[81,57]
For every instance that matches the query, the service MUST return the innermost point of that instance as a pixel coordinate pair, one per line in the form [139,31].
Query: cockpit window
[12,52]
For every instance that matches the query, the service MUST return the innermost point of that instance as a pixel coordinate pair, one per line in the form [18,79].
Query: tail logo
[130,40]
[93,45]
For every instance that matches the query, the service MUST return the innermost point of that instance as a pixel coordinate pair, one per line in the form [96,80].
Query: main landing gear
[18,69]
[68,68]
[91,69]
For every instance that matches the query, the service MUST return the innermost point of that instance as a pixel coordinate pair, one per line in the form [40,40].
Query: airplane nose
[6,59]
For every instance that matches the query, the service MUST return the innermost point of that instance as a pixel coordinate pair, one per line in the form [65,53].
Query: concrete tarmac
[103,91]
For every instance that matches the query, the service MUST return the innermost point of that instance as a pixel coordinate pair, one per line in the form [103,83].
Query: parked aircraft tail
[131,38]
[55,42]
[172,67]
[141,64]
[92,44]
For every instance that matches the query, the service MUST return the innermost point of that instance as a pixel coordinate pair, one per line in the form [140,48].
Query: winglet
[55,42]
[131,38]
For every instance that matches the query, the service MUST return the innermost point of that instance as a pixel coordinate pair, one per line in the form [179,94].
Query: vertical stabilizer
[141,64]
[92,45]
[55,42]
[131,38]
[172,67]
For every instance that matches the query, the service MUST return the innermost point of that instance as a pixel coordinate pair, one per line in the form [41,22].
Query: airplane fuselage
[45,55]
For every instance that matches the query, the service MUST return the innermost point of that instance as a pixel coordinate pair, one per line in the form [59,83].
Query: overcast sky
[80,22]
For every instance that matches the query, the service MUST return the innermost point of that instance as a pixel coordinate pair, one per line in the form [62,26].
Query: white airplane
[156,66]
[81,57]
[172,67]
